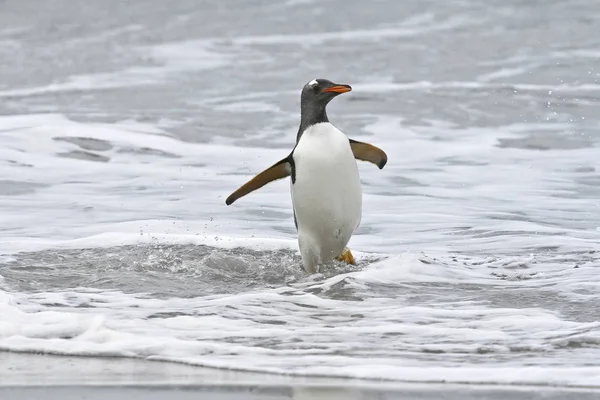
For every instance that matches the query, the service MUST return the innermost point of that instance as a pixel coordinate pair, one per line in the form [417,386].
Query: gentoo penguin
[325,184]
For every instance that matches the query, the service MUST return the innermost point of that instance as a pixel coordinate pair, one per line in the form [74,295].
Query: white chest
[327,190]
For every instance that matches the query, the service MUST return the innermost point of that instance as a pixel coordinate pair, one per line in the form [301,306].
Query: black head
[315,96]
[319,92]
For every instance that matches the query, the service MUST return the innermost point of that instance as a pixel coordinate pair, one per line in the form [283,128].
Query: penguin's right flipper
[279,170]
[368,152]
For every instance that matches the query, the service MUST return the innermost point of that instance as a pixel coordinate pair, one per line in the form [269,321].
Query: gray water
[125,125]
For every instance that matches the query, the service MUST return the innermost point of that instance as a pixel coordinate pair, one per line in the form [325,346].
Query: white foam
[411,27]
[433,324]
[429,85]
[171,59]
[30,140]
[315,336]
[248,107]
[135,76]
[128,237]
[503,73]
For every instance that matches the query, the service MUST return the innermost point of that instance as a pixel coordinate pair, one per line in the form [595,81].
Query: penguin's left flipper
[368,152]
[279,170]
[346,257]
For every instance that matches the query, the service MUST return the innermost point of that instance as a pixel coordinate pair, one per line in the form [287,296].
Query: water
[126,125]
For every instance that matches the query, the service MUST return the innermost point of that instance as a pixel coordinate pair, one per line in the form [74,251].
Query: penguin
[325,183]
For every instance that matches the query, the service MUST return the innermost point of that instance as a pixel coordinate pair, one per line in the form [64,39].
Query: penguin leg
[346,257]
[310,258]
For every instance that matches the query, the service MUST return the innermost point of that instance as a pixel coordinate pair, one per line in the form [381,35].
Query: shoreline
[29,375]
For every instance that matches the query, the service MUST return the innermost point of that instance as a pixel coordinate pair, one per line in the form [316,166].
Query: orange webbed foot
[346,257]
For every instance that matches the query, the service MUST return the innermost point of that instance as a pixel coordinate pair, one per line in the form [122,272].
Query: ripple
[17,188]
[84,155]
[84,143]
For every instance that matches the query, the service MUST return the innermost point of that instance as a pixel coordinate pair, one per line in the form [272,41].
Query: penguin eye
[316,88]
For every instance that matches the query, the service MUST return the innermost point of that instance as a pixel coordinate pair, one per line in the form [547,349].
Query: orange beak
[338,89]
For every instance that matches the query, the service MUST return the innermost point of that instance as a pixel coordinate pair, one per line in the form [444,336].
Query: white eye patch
[313,82]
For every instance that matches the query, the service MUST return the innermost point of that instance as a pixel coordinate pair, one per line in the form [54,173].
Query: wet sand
[32,376]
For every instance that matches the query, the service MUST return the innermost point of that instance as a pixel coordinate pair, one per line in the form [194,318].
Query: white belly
[326,195]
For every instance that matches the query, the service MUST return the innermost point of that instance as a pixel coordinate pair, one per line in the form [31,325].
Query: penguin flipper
[368,152]
[279,170]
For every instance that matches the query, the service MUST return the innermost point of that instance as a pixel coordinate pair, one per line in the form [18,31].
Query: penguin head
[318,92]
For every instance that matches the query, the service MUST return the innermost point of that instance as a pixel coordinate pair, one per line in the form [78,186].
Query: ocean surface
[125,125]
